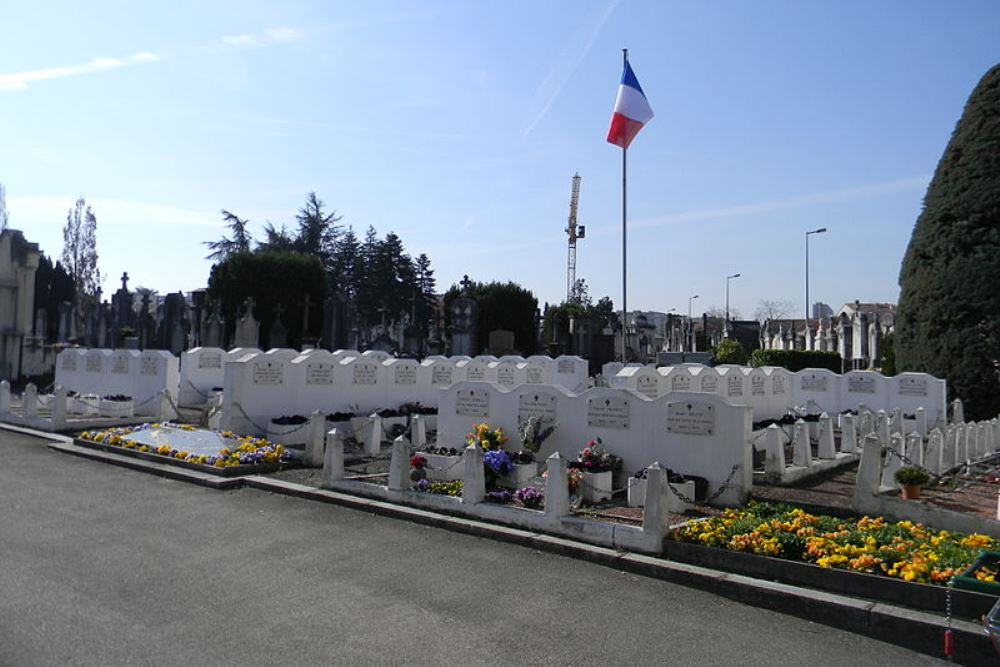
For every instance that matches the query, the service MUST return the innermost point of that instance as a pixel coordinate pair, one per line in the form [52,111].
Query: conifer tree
[948,322]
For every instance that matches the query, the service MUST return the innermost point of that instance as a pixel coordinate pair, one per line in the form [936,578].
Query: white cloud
[269,36]
[20,80]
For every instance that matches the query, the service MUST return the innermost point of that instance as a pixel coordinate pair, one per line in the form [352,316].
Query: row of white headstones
[772,392]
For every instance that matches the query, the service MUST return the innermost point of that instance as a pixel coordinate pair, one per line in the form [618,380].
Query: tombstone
[893,461]
[915,449]
[848,435]
[733,384]
[4,397]
[642,379]
[201,370]
[909,391]
[464,317]
[949,451]
[29,400]
[121,303]
[774,458]
[247,327]
[817,390]
[921,426]
[401,382]
[65,319]
[277,336]
[863,387]
[935,450]
[827,449]
[156,374]
[501,342]
[869,468]
[212,328]
[957,412]
[801,447]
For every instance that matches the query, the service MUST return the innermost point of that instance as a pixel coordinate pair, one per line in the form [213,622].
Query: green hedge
[796,360]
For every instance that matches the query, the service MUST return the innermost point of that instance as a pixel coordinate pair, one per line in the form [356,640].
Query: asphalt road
[102,565]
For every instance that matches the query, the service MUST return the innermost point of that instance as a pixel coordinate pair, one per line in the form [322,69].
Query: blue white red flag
[631,110]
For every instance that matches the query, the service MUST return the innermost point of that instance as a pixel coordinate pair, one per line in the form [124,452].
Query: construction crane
[574,233]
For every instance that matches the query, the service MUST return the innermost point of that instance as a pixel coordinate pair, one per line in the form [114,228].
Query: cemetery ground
[105,565]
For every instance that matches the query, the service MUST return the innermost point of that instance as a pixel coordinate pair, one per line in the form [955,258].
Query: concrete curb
[916,630]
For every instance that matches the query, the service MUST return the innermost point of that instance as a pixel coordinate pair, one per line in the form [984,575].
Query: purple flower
[498,461]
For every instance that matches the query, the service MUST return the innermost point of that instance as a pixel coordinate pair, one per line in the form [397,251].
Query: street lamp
[821,230]
[691,328]
[728,278]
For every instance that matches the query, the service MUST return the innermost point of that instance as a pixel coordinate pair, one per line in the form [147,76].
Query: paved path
[101,565]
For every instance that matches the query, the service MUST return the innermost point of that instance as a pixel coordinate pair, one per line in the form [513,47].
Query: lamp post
[821,230]
[728,278]
[690,328]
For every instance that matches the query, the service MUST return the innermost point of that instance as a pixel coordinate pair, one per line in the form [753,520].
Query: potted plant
[910,479]
[418,468]
[524,468]
[597,467]
[444,464]
[533,433]
[483,436]
[116,405]
[496,464]
[530,497]
[288,430]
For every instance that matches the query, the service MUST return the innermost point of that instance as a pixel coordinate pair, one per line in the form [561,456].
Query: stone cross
[125,281]
[466,284]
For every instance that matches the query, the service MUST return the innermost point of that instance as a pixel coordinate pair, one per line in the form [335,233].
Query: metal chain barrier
[718,492]
[198,391]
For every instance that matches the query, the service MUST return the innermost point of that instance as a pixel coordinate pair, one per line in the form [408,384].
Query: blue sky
[459,125]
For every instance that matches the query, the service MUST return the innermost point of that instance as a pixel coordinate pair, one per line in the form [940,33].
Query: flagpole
[624,239]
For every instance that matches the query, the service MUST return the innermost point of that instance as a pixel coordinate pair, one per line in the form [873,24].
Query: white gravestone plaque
[860,385]
[814,382]
[472,403]
[210,360]
[607,413]
[912,386]
[441,374]
[690,418]
[267,372]
[734,385]
[533,375]
[365,374]
[69,362]
[710,382]
[505,376]
[680,383]
[319,373]
[93,364]
[778,385]
[406,375]
[119,365]
[149,366]
[541,406]
[565,366]
[757,385]
[646,386]
[476,374]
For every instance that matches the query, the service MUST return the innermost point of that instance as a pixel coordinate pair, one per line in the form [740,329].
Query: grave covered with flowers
[871,545]
[211,451]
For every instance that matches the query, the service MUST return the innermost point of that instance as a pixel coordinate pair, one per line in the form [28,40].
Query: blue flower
[498,461]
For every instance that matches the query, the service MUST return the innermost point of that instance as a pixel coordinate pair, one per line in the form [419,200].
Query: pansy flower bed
[904,550]
[184,444]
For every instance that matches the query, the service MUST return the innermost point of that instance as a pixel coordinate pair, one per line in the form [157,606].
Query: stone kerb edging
[691,433]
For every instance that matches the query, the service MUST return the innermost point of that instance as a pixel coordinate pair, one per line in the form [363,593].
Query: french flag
[631,110]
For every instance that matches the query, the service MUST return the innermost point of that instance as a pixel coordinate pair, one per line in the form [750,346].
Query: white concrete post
[774,452]
[882,428]
[59,408]
[915,448]
[373,441]
[399,466]
[957,412]
[870,467]
[4,397]
[314,445]
[654,513]
[474,477]
[896,424]
[848,435]
[935,450]
[801,447]
[827,448]
[892,462]
[333,457]
[418,432]
[922,422]
[556,489]
[30,400]
[949,452]
[969,443]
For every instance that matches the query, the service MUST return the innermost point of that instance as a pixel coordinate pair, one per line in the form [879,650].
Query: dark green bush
[796,360]
[910,476]
[729,351]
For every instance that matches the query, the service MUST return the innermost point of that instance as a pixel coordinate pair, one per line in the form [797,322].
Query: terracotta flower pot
[910,491]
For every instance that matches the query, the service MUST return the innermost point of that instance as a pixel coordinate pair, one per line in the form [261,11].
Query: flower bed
[240,455]
[903,550]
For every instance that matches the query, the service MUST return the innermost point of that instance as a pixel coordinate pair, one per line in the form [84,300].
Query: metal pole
[807,279]
[727,300]
[624,239]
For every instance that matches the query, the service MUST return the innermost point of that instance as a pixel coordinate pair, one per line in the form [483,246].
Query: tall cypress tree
[948,322]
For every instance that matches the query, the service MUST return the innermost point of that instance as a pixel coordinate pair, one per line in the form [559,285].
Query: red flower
[418,461]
